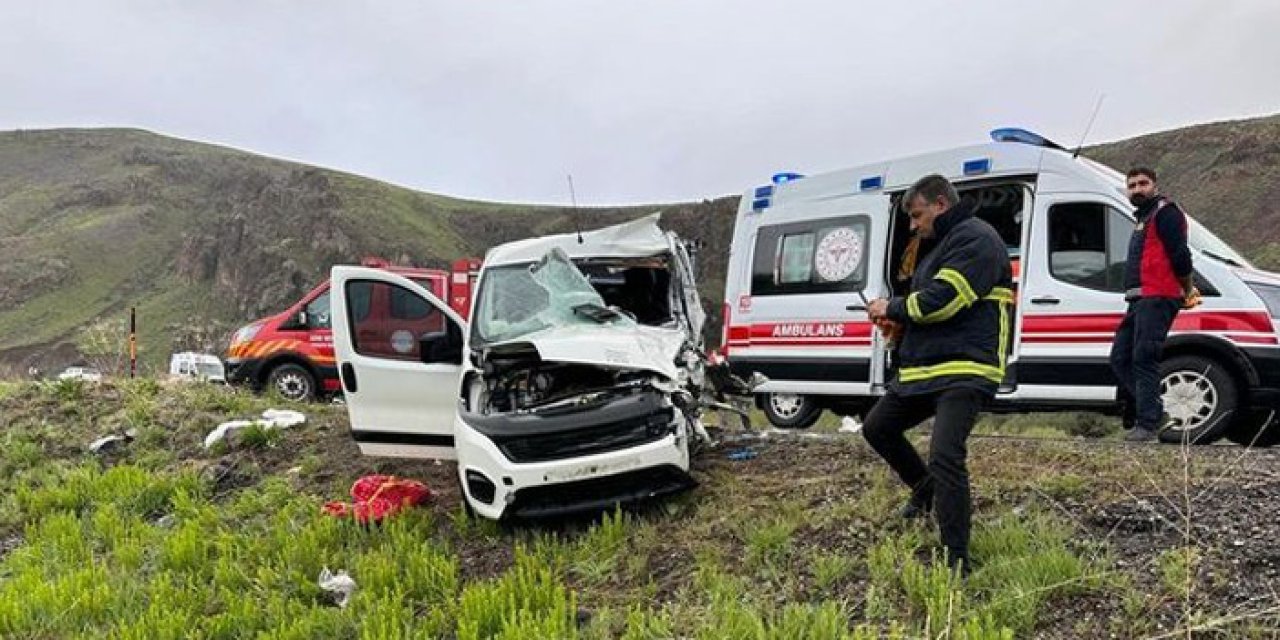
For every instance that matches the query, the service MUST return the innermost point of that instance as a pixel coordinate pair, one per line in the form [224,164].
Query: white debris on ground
[109,443]
[339,584]
[271,419]
[849,424]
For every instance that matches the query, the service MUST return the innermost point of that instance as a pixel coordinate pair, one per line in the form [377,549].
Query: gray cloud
[641,101]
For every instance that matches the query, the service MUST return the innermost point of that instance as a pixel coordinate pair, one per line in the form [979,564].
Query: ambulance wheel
[791,410]
[1199,397]
[293,382]
[1259,429]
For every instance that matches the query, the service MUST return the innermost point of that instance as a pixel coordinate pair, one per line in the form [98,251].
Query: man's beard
[1139,199]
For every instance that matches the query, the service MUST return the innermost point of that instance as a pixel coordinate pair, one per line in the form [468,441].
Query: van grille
[589,440]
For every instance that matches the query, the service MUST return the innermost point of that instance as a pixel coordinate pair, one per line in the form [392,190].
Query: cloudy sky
[640,101]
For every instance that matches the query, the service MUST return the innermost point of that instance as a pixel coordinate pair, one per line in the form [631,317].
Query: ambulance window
[318,312]
[1088,245]
[796,259]
[814,256]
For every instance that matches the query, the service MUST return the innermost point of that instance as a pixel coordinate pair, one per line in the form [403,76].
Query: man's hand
[877,308]
[1191,298]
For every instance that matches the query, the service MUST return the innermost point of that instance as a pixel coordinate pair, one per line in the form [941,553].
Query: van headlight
[1270,295]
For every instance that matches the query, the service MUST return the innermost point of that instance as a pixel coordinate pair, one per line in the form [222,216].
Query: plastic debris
[738,455]
[849,425]
[339,584]
[107,444]
[271,419]
[377,497]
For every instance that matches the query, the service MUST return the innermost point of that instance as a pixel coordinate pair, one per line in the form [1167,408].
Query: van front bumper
[544,484]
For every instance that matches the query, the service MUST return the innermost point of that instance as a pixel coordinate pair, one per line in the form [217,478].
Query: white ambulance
[807,252]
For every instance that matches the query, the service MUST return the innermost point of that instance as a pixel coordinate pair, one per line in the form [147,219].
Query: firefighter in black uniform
[957,322]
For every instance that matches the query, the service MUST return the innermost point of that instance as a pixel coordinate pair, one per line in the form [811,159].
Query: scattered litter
[378,496]
[849,425]
[294,470]
[271,419]
[339,584]
[739,455]
[107,444]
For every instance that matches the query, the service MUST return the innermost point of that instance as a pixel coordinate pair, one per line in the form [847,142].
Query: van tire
[292,381]
[1201,392]
[790,410]
[1258,429]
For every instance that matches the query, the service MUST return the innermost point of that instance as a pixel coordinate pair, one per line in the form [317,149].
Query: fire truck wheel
[293,382]
[1199,399]
[791,410]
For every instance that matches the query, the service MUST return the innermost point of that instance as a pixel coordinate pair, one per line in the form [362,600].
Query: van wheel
[1199,397]
[791,410]
[1259,429]
[292,382]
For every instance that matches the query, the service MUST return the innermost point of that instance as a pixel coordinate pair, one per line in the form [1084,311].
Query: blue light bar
[785,177]
[764,192]
[976,167]
[871,183]
[760,204]
[1014,134]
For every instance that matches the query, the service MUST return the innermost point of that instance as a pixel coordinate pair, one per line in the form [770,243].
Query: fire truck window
[1088,245]
[318,312]
[396,323]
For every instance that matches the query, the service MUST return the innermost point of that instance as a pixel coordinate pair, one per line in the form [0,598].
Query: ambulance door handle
[1045,300]
[855,307]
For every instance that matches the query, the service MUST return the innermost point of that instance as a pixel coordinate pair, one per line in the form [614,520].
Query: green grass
[166,539]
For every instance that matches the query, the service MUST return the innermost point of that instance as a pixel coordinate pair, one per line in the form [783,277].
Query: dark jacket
[1158,253]
[959,314]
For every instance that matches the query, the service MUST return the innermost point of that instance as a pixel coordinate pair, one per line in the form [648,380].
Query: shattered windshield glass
[520,299]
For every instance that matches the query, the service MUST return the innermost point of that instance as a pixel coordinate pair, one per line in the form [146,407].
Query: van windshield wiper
[1221,258]
[596,312]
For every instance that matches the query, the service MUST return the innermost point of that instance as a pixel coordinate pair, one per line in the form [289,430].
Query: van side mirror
[441,347]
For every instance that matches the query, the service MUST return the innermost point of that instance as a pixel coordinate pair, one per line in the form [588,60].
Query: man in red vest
[1157,281]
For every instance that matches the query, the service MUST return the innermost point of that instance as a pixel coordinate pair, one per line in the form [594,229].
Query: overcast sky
[640,101]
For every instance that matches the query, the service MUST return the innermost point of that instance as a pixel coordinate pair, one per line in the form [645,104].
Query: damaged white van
[578,384]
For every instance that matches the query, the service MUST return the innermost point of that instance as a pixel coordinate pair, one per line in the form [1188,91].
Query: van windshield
[517,300]
[1198,237]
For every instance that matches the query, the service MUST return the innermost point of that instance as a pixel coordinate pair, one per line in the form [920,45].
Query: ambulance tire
[292,381]
[790,410]
[1200,391]
[1259,429]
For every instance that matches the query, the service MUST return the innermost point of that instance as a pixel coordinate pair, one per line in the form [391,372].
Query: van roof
[1054,170]
[638,238]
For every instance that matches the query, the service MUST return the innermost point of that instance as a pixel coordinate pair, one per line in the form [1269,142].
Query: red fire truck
[292,351]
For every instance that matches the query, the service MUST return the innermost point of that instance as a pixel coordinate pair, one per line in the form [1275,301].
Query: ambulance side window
[1089,245]
[814,256]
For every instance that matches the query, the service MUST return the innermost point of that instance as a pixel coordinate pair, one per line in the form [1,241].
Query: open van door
[399,351]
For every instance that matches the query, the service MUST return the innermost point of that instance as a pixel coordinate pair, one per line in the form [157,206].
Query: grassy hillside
[162,538]
[203,238]
[1227,174]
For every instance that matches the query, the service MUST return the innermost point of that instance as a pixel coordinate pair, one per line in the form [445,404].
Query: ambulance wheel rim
[1190,399]
[786,405]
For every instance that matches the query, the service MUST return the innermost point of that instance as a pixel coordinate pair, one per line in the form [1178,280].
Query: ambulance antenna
[1097,107]
[574,199]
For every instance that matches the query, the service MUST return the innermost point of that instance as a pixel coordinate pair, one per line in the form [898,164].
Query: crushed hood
[639,238]
[613,347]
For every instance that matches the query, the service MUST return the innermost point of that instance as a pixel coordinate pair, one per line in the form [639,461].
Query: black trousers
[1135,359]
[945,479]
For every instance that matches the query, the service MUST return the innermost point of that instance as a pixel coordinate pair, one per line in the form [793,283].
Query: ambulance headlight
[1270,295]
